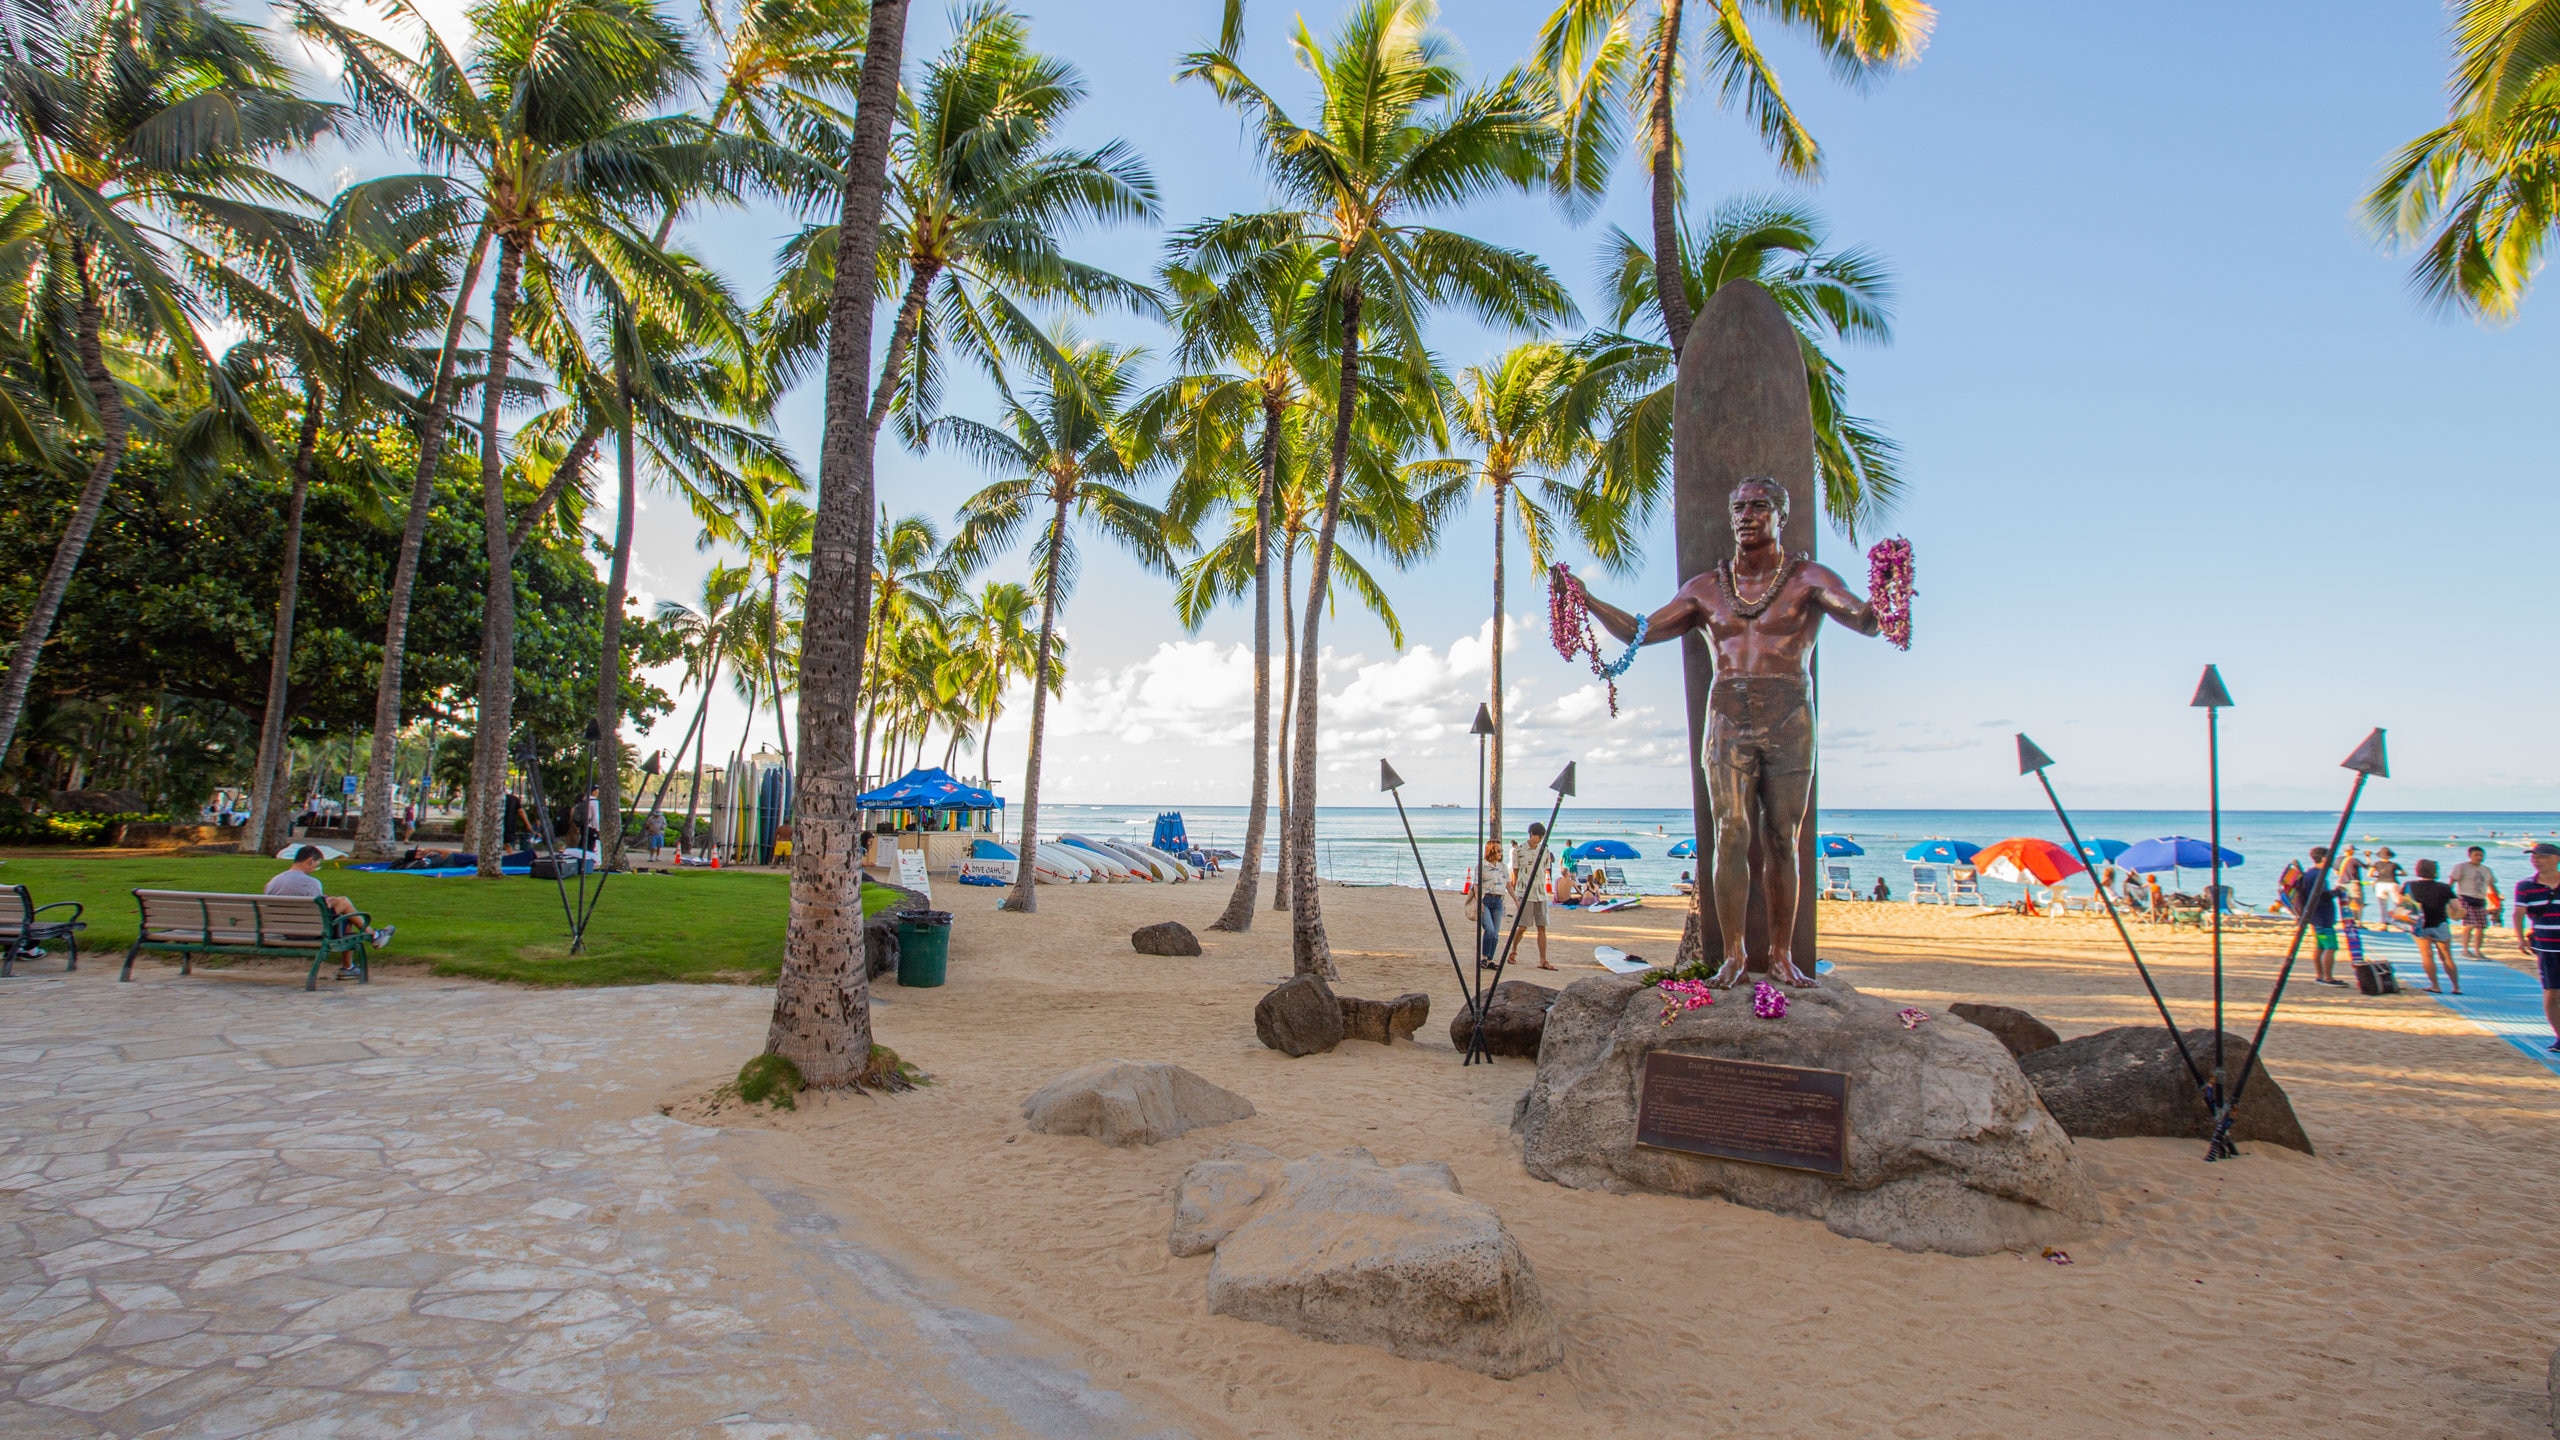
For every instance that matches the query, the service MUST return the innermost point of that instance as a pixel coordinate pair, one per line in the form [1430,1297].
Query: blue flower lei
[1626,662]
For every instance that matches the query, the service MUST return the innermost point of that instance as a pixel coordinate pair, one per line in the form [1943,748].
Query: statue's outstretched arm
[1670,622]
[1837,601]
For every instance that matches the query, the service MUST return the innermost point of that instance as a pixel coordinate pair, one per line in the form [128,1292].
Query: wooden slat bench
[23,927]
[190,924]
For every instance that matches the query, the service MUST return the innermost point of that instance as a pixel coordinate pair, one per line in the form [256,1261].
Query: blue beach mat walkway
[2495,996]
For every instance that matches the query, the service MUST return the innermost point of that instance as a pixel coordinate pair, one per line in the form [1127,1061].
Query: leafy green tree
[1397,131]
[2478,197]
[147,127]
[1828,295]
[1069,449]
[995,639]
[1610,62]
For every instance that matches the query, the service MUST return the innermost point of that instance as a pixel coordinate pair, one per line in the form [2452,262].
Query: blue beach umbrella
[1841,846]
[1684,849]
[1601,850]
[2099,852]
[2174,852]
[1942,851]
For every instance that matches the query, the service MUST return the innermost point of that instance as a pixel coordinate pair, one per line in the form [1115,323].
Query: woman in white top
[1490,884]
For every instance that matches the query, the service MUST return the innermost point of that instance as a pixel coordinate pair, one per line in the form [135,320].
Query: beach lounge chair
[1964,886]
[1835,883]
[1924,886]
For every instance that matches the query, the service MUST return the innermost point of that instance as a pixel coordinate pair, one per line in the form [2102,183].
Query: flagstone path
[429,1208]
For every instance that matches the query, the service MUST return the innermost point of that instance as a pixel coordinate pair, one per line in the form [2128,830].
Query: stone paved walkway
[427,1208]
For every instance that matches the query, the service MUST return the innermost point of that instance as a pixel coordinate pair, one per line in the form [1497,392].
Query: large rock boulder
[1515,1016]
[1170,937]
[1947,1150]
[1384,1021]
[1299,1016]
[2130,1081]
[1342,1249]
[1131,1102]
[2023,1033]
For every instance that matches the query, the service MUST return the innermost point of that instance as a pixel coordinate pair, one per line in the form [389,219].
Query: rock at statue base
[1947,1148]
[1515,1016]
[1300,1016]
[2129,1081]
[1131,1102]
[2023,1033]
[1169,938]
[1342,1249]
[1384,1021]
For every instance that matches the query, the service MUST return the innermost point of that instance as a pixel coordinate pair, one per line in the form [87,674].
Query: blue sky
[2163,402]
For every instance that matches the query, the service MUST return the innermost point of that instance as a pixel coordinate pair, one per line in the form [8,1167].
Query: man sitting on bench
[301,880]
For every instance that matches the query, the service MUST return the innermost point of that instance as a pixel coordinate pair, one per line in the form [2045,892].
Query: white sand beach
[2399,1283]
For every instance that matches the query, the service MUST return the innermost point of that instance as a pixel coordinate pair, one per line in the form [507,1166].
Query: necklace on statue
[1754,609]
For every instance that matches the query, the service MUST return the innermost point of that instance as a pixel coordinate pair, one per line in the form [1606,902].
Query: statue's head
[1759,509]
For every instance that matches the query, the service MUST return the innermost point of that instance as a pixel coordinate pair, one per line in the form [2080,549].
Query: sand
[2400,1283]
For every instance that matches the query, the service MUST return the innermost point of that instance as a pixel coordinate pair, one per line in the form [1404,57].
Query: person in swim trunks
[1760,613]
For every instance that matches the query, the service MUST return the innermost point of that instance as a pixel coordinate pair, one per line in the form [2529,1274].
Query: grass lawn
[714,926]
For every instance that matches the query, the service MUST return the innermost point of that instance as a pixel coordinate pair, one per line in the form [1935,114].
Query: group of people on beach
[1519,876]
[2429,904]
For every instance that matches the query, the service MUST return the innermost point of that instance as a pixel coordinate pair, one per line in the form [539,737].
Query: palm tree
[821,1004]
[1828,295]
[996,640]
[136,117]
[777,544]
[980,194]
[551,124]
[2478,197]
[1518,413]
[908,570]
[329,327]
[1397,131]
[1604,69]
[704,634]
[1063,448]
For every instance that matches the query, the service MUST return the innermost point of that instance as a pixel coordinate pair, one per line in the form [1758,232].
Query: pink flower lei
[1889,589]
[1569,627]
[1768,1001]
[1681,996]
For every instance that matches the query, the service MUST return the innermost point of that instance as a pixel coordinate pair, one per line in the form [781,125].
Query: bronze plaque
[1743,1110]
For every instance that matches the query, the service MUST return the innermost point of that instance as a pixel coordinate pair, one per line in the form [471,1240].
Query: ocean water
[1365,845]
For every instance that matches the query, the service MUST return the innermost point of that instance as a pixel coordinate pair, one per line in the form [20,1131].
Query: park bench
[23,928]
[190,924]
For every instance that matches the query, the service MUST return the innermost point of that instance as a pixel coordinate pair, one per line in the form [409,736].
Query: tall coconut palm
[146,127]
[1829,296]
[822,1000]
[1610,62]
[997,639]
[551,125]
[981,193]
[704,633]
[1250,340]
[1533,446]
[908,570]
[777,545]
[2478,197]
[1067,449]
[1397,131]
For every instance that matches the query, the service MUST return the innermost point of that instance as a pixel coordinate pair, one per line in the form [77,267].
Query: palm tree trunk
[910,318]
[822,1002]
[1283,882]
[1026,886]
[1309,952]
[494,730]
[986,751]
[701,741]
[1238,915]
[84,511]
[1667,285]
[374,836]
[617,586]
[772,660]
[1501,493]
[266,803]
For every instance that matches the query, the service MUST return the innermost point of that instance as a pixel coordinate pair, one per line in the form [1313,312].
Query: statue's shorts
[1759,728]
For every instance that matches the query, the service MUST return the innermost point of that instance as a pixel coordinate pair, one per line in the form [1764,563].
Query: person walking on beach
[1488,904]
[2473,884]
[2384,872]
[1530,864]
[2349,877]
[2432,901]
[2538,929]
[2320,910]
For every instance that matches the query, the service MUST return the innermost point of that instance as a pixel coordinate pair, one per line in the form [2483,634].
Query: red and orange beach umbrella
[2024,857]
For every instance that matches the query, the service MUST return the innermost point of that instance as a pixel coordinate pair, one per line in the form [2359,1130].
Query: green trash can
[924,947]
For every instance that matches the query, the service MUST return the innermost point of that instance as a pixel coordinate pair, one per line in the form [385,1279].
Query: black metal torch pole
[1563,786]
[1393,784]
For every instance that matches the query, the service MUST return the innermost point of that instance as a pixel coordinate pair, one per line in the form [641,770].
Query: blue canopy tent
[933,800]
[1840,847]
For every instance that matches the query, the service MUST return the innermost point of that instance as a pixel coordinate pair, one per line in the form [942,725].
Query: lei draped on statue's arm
[1569,627]
[1889,590]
